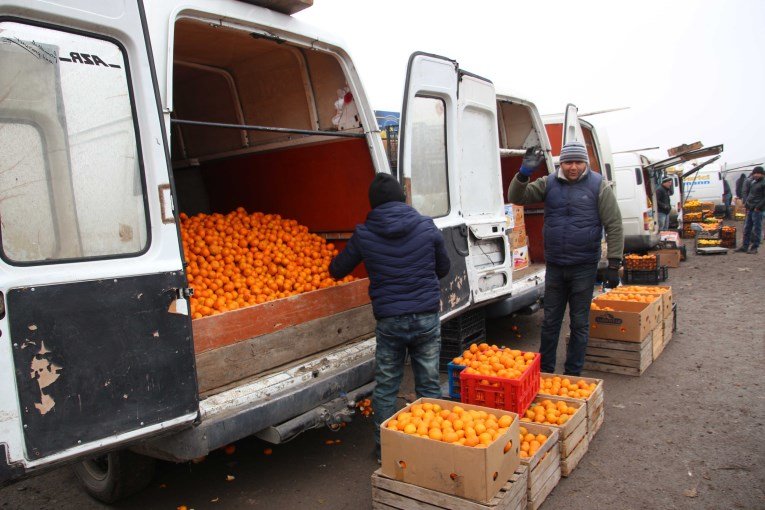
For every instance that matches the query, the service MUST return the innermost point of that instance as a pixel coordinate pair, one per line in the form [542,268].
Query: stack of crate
[593,403]
[544,469]
[457,334]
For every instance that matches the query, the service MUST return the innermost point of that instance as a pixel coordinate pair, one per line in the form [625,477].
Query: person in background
[579,203]
[663,204]
[740,186]
[405,257]
[727,198]
[754,203]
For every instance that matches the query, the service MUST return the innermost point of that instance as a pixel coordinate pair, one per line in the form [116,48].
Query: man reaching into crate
[579,204]
[405,256]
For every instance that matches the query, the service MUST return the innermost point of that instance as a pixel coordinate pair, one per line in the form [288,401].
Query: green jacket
[521,192]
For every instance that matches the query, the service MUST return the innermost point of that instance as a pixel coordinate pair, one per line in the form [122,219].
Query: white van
[635,194]
[121,117]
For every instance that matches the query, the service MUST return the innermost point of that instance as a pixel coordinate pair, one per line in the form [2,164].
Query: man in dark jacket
[579,204]
[755,203]
[663,204]
[405,256]
[740,186]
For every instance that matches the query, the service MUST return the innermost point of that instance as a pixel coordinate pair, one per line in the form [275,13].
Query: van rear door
[97,348]
[449,165]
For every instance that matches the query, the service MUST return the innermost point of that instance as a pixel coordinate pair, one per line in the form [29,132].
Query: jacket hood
[392,219]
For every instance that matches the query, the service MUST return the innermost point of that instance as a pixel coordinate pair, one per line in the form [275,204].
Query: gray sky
[688,69]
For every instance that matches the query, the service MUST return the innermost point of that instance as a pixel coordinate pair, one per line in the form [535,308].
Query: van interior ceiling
[516,134]
[306,169]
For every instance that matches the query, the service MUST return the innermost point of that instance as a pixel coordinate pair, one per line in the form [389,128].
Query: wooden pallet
[618,357]
[568,464]
[389,494]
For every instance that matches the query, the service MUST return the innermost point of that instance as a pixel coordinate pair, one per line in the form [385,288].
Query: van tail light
[646,221]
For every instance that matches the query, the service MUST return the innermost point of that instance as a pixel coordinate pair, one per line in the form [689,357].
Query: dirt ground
[687,434]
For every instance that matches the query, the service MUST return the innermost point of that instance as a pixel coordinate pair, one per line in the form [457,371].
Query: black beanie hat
[758,170]
[385,188]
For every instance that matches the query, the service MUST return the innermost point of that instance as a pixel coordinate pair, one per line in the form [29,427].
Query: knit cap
[758,170]
[574,151]
[385,188]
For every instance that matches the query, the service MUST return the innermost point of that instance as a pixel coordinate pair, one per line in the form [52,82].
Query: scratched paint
[45,373]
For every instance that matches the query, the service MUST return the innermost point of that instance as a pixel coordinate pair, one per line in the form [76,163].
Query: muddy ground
[686,434]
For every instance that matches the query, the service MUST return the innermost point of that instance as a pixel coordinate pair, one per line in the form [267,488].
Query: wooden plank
[619,345]
[401,495]
[626,355]
[246,323]
[225,365]
[596,426]
[548,487]
[568,464]
[549,468]
[612,369]
[610,360]
[568,444]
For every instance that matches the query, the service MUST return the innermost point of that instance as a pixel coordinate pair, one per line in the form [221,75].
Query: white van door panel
[93,357]
[490,266]
[572,130]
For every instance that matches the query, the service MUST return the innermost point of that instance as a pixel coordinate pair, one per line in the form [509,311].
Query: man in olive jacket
[579,204]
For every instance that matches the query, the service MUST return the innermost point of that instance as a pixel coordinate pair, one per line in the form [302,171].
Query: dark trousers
[572,285]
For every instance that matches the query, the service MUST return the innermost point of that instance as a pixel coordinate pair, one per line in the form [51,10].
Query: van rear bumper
[516,302]
[250,408]
[640,242]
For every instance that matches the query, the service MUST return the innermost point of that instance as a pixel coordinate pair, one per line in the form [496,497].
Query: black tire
[115,475]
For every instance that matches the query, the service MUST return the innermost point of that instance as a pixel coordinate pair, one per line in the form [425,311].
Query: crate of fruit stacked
[540,452]
[637,262]
[496,377]
[588,390]
[728,236]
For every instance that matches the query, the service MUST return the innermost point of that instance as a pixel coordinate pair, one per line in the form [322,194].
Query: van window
[70,175]
[430,185]
[638,177]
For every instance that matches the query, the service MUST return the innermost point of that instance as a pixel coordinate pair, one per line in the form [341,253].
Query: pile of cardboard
[516,232]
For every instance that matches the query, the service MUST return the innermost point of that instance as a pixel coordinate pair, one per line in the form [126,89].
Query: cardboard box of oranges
[461,449]
[627,321]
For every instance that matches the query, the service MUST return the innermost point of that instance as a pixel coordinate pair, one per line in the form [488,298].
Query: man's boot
[743,249]
[752,251]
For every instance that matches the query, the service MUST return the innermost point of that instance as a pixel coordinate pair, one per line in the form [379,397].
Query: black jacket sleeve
[346,261]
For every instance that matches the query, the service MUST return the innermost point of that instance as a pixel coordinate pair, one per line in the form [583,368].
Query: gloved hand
[531,161]
[612,273]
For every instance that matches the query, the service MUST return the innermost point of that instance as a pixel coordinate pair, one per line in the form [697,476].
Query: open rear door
[572,129]
[97,349]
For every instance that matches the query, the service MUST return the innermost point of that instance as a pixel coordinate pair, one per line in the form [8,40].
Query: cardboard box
[472,473]
[509,217]
[669,257]
[666,299]
[518,215]
[629,322]
[518,237]
[520,257]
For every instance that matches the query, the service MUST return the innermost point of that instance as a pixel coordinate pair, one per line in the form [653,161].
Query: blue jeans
[572,285]
[418,333]
[752,229]
[663,221]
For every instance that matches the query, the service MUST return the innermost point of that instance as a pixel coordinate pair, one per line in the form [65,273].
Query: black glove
[612,273]
[531,161]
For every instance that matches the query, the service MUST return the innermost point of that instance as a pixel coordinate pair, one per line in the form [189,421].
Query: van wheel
[116,475]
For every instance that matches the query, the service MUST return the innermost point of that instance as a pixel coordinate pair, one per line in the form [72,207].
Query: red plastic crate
[510,395]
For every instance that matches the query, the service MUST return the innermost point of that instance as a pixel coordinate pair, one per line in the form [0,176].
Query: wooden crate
[568,464]
[657,341]
[596,423]
[618,357]
[573,430]
[389,494]
[544,465]
[592,403]
[669,324]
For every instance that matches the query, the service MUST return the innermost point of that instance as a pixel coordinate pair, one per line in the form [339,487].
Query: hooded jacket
[405,256]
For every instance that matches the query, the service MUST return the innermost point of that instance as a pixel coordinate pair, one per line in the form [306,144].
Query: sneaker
[743,249]
[753,251]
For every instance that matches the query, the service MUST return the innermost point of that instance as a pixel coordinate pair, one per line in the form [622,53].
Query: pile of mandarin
[640,262]
[595,306]
[530,443]
[558,387]
[624,296]
[456,425]
[639,289]
[548,412]
[239,259]
[493,361]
